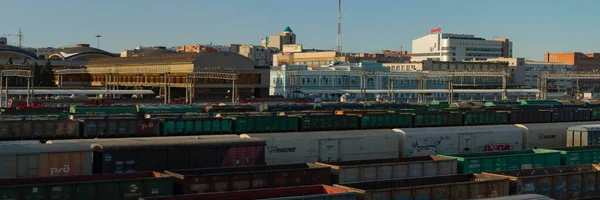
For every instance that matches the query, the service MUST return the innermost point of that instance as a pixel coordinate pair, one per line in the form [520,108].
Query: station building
[459,47]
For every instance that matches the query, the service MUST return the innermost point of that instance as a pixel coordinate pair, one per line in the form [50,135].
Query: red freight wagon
[41,160]
[160,155]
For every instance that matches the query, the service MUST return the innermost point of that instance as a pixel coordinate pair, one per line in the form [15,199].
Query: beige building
[262,56]
[252,80]
[278,41]
[311,59]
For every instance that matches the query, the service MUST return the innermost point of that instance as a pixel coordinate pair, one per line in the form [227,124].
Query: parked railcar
[300,147]
[38,129]
[549,135]
[463,139]
[126,157]
[41,160]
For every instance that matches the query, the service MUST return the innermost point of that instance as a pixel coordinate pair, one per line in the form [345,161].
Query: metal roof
[177,144]
[13,49]
[19,149]
[86,92]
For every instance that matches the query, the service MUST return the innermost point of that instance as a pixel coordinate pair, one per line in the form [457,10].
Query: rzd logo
[133,188]
[64,169]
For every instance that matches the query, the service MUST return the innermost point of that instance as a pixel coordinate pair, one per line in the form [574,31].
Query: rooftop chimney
[82,45]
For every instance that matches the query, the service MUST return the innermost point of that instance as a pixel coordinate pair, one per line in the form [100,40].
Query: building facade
[581,62]
[312,59]
[332,81]
[198,48]
[262,56]
[459,47]
[278,41]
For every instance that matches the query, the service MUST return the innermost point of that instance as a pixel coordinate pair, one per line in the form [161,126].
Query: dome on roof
[15,52]
[79,52]
[288,30]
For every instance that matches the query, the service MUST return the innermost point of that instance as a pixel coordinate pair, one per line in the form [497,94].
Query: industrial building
[459,47]
[153,71]
[581,62]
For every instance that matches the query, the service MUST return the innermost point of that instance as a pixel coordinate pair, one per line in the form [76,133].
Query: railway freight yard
[111,101]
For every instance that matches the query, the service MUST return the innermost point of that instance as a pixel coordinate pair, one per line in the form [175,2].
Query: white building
[525,73]
[459,47]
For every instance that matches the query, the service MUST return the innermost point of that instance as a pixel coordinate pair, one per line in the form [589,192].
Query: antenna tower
[339,32]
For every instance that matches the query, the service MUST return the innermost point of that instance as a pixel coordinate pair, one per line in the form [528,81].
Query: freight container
[159,155]
[550,135]
[90,187]
[328,122]
[190,181]
[530,116]
[463,139]
[338,106]
[583,135]
[506,160]
[301,147]
[260,124]
[153,109]
[520,197]
[432,118]
[113,109]
[141,139]
[232,108]
[41,129]
[311,192]
[562,182]
[570,115]
[285,107]
[197,126]
[385,106]
[178,115]
[98,128]
[485,118]
[386,120]
[463,186]
[100,116]
[579,155]
[40,160]
[386,169]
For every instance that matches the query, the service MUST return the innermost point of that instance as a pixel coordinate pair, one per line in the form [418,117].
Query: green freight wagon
[128,186]
[153,109]
[328,122]
[430,118]
[202,126]
[485,118]
[579,155]
[261,124]
[595,114]
[439,104]
[114,109]
[506,160]
[387,120]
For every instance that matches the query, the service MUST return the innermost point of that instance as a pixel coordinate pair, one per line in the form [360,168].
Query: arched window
[303,81]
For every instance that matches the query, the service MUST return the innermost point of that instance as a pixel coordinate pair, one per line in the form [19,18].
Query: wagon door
[27,166]
[466,143]
[329,150]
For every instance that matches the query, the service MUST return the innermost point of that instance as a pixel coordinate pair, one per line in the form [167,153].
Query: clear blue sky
[535,26]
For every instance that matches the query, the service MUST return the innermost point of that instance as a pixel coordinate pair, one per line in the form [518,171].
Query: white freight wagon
[327,146]
[583,135]
[462,139]
[550,135]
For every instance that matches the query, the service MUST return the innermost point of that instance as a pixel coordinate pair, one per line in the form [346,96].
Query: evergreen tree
[9,61]
[47,75]
[37,75]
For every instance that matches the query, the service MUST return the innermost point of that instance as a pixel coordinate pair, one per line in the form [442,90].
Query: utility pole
[20,36]
[339,33]
[98,41]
